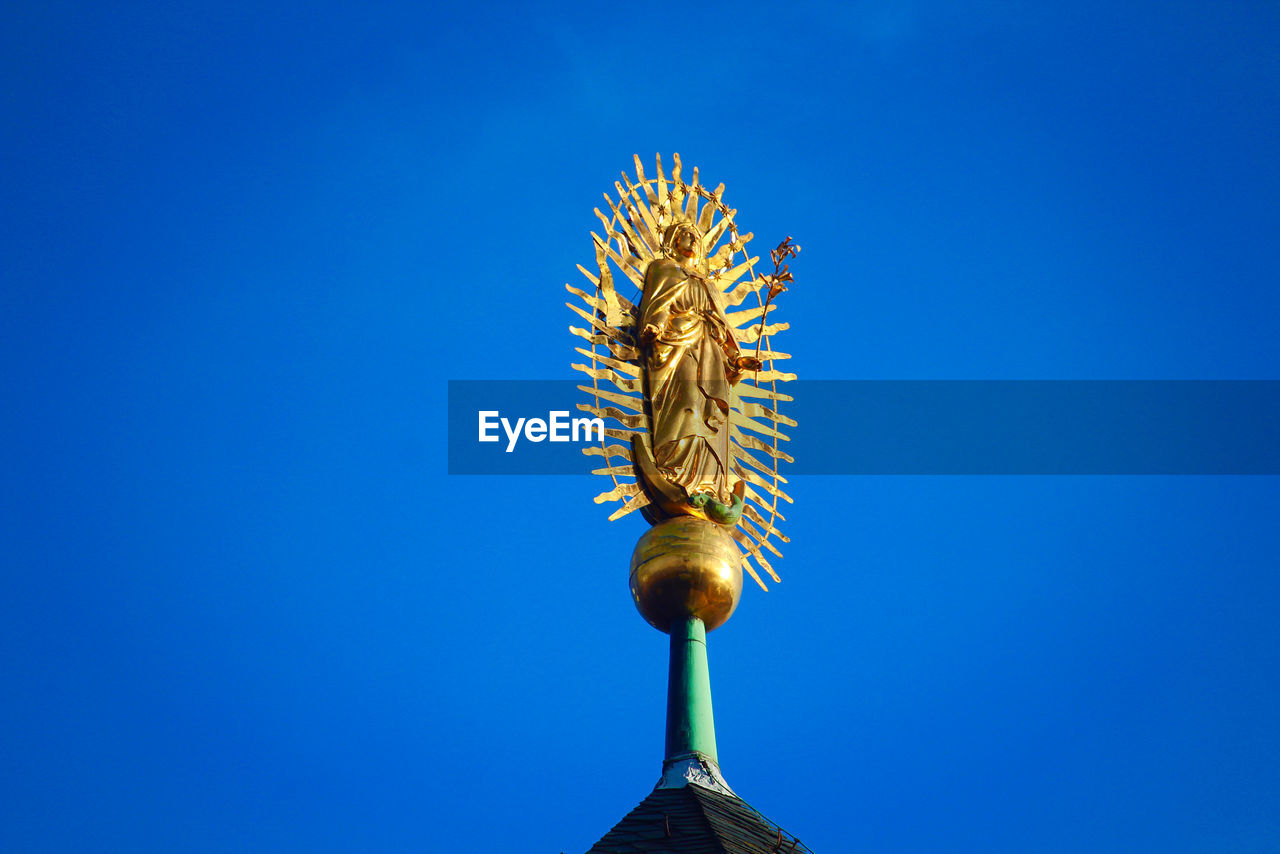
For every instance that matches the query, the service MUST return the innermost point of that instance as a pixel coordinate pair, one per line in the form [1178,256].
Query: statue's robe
[689,368]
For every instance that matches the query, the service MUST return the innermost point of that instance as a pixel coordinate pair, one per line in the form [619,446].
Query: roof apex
[696,819]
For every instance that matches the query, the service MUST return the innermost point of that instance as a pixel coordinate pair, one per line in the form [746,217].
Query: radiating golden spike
[614,306]
[595,280]
[612,227]
[691,206]
[739,292]
[760,559]
[740,454]
[635,422]
[772,356]
[751,570]
[708,213]
[756,444]
[751,477]
[623,451]
[754,551]
[612,376]
[630,272]
[760,537]
[637,243]
[619,491]
[718,259]
[616,349]
[604,220]
[605,284]
[624,435]
[762,540]
[662,195]
[719,228]
[761,411]
[627,265]
[592,300]
[617,471]
[635,502]
[646,215]
[746,389]
[752,334]
[724,280]
[765,470]
[634,403]
[760,427]
[772,377]
[600,324]
[595,321]
[624,368]
[677,188]
[757,517]
[760,502]
[640,179]
[636,221]
[619,351]
[737,318]
[613,311]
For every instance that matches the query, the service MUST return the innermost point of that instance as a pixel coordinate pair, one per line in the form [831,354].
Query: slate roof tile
[696,820]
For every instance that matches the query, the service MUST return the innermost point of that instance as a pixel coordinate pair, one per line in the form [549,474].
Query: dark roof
[696,820]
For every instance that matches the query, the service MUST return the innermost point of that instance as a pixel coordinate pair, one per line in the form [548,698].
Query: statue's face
[686,243]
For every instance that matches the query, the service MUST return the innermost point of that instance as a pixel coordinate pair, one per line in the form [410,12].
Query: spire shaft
[691,727]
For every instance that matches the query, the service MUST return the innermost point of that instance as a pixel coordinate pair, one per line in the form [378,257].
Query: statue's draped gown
[689,369]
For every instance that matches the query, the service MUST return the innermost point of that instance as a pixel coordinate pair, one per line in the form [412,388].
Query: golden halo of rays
[632,238]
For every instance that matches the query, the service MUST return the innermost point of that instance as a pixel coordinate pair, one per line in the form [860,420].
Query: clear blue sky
[244,247]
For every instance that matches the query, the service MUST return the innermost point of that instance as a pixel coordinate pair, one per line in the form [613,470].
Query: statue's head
[682,240]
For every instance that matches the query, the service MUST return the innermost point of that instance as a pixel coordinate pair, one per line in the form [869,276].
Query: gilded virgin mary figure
[691,361]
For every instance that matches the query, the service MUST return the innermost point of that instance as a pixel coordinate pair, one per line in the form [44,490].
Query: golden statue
[695,404]
[691,361]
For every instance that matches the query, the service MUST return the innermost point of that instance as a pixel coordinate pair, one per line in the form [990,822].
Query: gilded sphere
[686,567]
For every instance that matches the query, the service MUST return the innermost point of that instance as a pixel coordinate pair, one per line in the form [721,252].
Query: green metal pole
[691,727]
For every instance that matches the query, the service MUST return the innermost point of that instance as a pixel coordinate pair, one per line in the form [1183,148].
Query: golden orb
[686,567]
